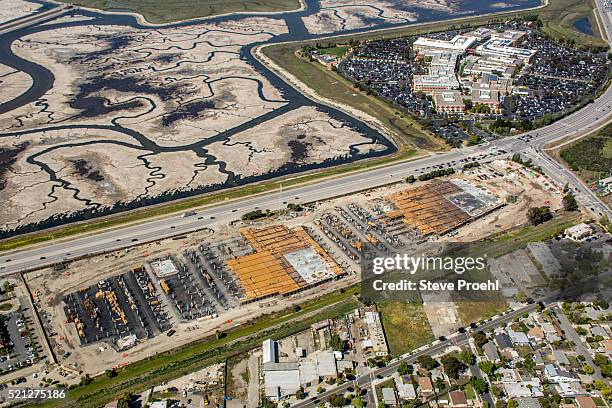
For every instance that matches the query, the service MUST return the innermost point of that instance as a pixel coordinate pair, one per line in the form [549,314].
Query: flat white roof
[579,229]
[287,380]
[164,268]
[326,364]
[501,46]
[458,43]
[310,265]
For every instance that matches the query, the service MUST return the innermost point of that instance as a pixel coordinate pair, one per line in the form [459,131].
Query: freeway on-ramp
[591,117]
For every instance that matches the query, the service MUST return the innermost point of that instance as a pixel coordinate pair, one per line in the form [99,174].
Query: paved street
[594,114]
[571,334]
[587,119]
[364,381]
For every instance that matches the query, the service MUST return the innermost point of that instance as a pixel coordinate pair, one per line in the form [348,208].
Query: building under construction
[439,207]
[285,261]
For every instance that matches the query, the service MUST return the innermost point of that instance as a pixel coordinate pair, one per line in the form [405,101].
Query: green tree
[487,367]
[474,140]
[452,366]
[427,362]
[467,357]
[337,344]
[404,368]
[337,400]
[439,383]
[539,215]
[569,202]
[480,338]
[529,364]
[265,403]
[128,401]
[480,385]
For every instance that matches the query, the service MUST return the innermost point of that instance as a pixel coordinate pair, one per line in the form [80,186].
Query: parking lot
[21,346]
[558,78]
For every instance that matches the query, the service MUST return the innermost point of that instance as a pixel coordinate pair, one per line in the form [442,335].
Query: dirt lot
[95,357]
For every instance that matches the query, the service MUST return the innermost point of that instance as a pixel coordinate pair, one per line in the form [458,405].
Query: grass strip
[175,207]
[166,366]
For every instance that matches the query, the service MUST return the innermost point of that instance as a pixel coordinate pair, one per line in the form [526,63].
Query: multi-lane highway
[604,7]
[587,119]
[590,117]
[33,19]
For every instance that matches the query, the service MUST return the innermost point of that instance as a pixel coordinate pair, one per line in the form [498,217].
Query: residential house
[389,397]
[585,402]
[607,347]
[518,338]
[539,361]
[561,358]
[570,389]
[528,402]
[557,375]
[598,330]
[524,389]
[503,341]
[490,352]
[552,334]
[536,334]
[425,387]
[508,375]
[457,399]
[405,390]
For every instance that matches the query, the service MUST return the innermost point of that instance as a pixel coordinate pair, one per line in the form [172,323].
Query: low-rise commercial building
[430,83]
[449,102]
[579,232]
[459,44]
[499,47]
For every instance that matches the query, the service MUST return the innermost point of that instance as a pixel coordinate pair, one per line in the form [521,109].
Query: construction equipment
[165,287]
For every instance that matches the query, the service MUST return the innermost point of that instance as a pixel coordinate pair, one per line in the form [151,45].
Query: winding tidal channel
[43,81]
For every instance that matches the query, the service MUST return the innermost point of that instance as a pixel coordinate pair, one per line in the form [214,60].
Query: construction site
[439,207]
[285,261]
[122,308]
[113,309]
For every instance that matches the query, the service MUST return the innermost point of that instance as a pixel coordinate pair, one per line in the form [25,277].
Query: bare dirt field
[442,316]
